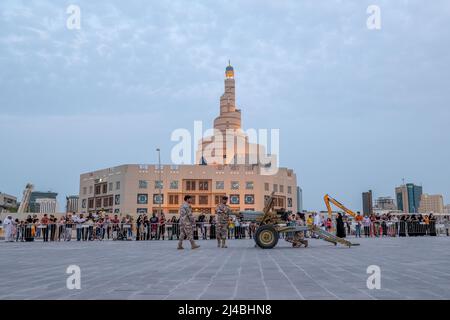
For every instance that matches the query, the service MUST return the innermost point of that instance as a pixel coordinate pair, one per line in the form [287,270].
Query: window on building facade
[91,203]
[117,199]
[111,201]
[218,198]
[190,185]
[266,186]
[220,185]
[203,185]
[97,189]
[110,186]
[105,202]
[249,185]
[275,187]
[83,203]
[289,189]
[105,188]
[158,198]
[141,210]
[173,199]
[234,185]
[249,199]
[142,198]
[193,199]
[158,184]
[203,200]
[143,184]
[117,185]
[281,188]
[98,202]
[234,199]
[84,190]
[289,202]
[174,184]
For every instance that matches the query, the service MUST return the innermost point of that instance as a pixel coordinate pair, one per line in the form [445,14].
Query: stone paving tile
[410,269]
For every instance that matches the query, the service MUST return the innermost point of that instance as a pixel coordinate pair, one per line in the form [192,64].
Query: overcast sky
[358,109]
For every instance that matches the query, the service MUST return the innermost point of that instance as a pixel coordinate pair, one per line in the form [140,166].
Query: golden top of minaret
[229,71]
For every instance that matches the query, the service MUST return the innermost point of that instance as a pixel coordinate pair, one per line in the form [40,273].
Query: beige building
[131,189]
[431,203]
[220,170]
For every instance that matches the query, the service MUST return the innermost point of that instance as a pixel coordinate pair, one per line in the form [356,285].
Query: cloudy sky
[358,109]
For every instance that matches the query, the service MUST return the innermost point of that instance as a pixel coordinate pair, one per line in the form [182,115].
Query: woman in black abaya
[340,229]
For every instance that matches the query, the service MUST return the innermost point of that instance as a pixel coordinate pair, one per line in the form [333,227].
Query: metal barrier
[202,230]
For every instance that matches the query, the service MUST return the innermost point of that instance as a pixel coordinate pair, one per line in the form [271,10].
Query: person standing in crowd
[19,231]
[79,225]
[426,221]
[201,224]
[162,226]
[348,223]
[61,226]
[358,223]
[223,216]
[237,228]
[230,228]
[153,226]
[52,222]
[329,225]
[252,229]
[186,223]
[8,226]
[212,227]
[432,225]
[139,223]
[366,223]
[340,229]
[44,227]
[115,222]
[173,222]
[106,227]
[402,226]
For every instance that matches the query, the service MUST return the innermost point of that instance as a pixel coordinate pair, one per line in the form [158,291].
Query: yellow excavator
[329,199]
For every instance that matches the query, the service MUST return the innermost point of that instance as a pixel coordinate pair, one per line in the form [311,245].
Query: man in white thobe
[8,229]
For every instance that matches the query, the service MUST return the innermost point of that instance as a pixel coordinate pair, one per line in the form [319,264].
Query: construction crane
[329,199]
[26,198]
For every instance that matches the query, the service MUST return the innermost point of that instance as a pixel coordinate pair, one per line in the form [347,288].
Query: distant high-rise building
[367,202]
[408,197]
[299,199]
[72,203]
[45,205]
[385,203]
[431,203]
[45,199]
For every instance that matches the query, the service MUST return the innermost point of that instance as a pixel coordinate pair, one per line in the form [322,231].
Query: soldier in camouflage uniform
[186,223]
[296,238]
[223,214]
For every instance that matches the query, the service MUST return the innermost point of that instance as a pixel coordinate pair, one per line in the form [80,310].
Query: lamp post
[160,182]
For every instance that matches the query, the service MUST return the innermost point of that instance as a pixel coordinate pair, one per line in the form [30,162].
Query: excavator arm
[329,199]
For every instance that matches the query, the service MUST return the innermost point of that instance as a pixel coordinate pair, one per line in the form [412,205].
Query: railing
[205,231]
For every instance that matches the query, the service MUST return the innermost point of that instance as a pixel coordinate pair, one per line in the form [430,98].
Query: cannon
[271,224]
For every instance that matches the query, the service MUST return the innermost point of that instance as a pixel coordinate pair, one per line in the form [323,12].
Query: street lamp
[160,182]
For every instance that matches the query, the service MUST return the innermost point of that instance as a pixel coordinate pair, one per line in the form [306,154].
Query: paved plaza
[411,268]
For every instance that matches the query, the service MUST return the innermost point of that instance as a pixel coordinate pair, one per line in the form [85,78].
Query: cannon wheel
[266,237]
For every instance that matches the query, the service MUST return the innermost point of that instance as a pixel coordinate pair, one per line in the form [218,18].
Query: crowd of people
[105,226]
